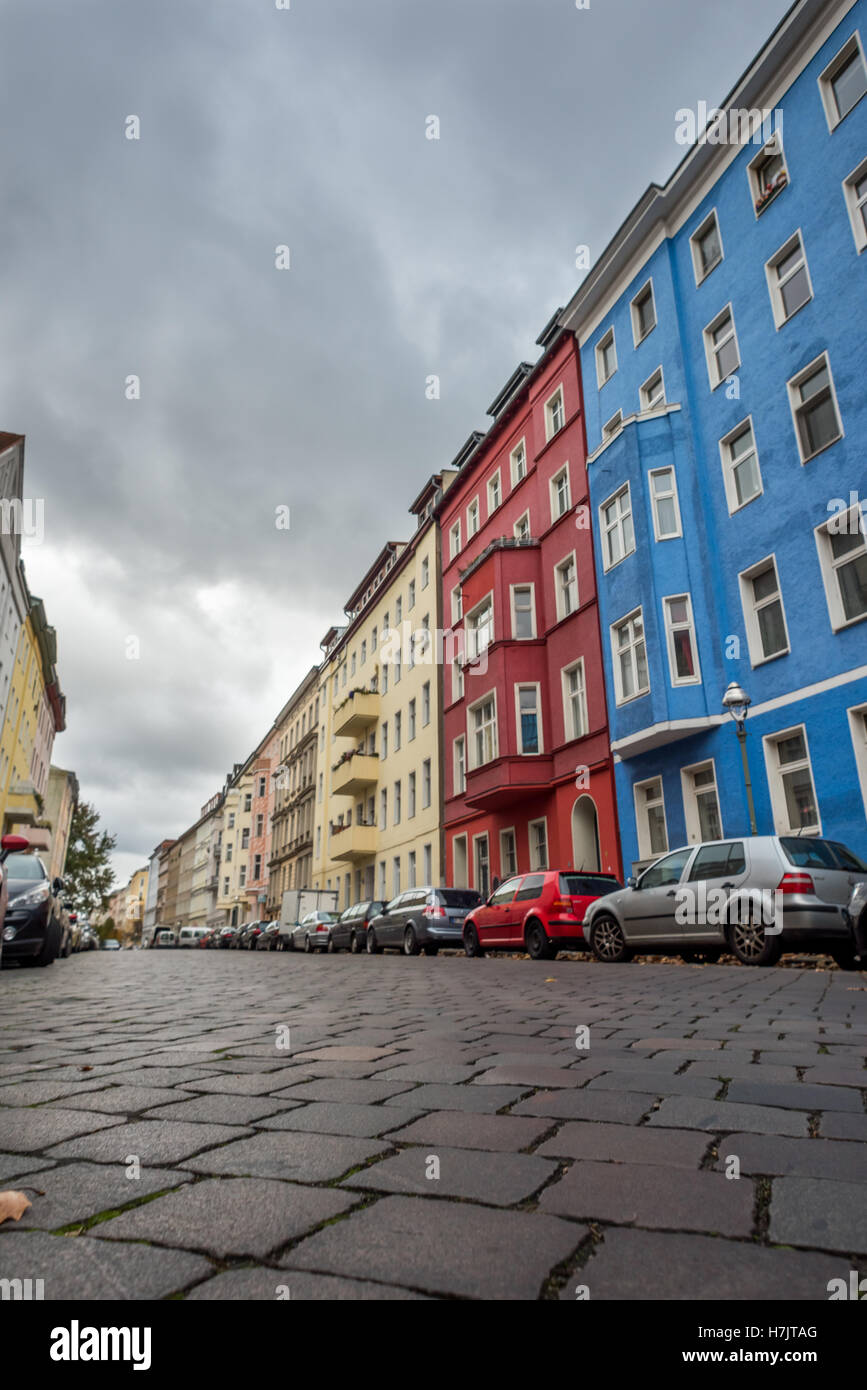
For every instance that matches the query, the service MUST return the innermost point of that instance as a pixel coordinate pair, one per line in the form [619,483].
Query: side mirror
[632,881]
[13,844]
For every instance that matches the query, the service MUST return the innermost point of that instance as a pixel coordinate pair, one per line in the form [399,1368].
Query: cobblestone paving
[429,1129]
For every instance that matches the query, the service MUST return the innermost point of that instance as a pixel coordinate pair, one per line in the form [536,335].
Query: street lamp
[737,702]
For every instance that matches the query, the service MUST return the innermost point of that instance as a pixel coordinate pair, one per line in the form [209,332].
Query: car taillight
[320,926]
[796,883]
[561,905]
[435,912]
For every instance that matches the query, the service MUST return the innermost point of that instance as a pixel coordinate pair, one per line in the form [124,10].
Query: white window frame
[642,825]
[456,604]
[617,525]
[459,765]
[768,150]
[559,588]
[460,840]
[519,740]
[728,465]
[654,498]
[613,426]
[477,840]
[550,406]
[775,781]
[857,717]
[840,60]
[829,567]
[691,815]
[704,226]
[857,209]
[553,493]
[524,517]
[471,632]
[637,336]
[495,479]
[620,698]
[455,540]
[504,872]
[489,695]
[531,826]
[793,386]
[711,348]
[644,391]
[774,285]
[520,448]
[568,718]
[474,514]
[532,587]
[607,340]
[750,611]
[670,628]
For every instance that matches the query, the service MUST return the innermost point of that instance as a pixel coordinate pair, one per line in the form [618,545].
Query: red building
[528,781]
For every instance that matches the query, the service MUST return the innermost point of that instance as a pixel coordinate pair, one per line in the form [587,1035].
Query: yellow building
[35,711]
[378,821]
[232,900]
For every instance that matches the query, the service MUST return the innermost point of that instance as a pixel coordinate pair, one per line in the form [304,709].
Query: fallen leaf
[551,980]
[85,1068]
[13,1206]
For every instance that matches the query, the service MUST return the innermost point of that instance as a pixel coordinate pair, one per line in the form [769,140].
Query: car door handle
[670,893]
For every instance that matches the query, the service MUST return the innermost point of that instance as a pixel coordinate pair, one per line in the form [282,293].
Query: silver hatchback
[754,896]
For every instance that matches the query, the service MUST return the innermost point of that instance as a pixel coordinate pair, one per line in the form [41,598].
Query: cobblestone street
[429,1128]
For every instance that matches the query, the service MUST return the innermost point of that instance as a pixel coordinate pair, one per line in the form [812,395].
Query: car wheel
[537,942]
[702,956]
[308,946]
[354,944]
[331,948]
[47,954]
[607,941]
[472,945]
[410,943]
[370,944]
[751,944]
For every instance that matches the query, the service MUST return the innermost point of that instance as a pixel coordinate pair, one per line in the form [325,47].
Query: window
[383,809]
[574,701]
[260,825]
[395,875]
[456,604]
[480,628]
[398,612]
[643,313]
[701,804]
[455,540]
[410,602]
[652,393]
[229,853]
[528,718]
[555,414]
[606,358]
[373,640]
[232,820]
[472,518]
[680,634]
[508,854]
[396,804]
[814,408]
[523,612]
[721,348]
[410,869]
[426,784]
[718,861]
[667,870]
[459,765]
[410,796]
[363,652]
[352,672]
[740,461]
[566,586]
[560,501]
[855,193]
[788,280]
[243,876]
[385,679]
[844,82]
[790,780]
[411,721]
[262,786]
[427,863]
[483,724]
[843,558]
[613,426]
[858,729]
[666,510]
[494,495]
[398,725]
[425,704]
[618,537]
[257,867]
[425,573]
[383,740]
[538,833]
[481,865]
[398,668]
[706,246]
[630,658]
[767,174]
[522,527]
[650,818]
[459,861]
[767,635]
[518,462]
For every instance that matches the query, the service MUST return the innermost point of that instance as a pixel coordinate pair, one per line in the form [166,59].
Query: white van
[165,937]
[191,936]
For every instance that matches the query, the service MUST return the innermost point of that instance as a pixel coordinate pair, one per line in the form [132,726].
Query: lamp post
[737,702]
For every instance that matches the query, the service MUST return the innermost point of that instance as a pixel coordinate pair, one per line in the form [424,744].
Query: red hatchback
[540,913]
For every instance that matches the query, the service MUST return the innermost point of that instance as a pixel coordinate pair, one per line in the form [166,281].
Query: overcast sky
[305,387]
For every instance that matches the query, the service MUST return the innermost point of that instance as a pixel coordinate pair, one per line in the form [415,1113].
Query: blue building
[724,361]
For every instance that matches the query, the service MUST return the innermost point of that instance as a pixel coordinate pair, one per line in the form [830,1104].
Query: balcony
[356,714]
[353,841]
[355,774]
[508,780]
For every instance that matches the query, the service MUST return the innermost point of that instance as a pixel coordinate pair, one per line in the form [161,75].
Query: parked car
[75,930]
[708,898]
[208,939]
[858,921]
[34,929]
[269,938]
[89,939]
[111,943]
[165,937]
[540,913]
[313,932]
[421,919]
[227,936]
[8,845]
[349,932]
[191,936]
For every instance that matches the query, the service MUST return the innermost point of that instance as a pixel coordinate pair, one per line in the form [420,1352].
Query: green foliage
[88,871]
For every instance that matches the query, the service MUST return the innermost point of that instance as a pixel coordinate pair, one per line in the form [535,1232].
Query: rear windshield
[457,897]
[588,885]
[24,866]
[819,854]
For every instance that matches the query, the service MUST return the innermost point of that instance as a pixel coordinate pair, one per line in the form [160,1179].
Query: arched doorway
[585,834]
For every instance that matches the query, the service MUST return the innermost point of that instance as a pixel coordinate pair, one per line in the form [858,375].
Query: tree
[88,870]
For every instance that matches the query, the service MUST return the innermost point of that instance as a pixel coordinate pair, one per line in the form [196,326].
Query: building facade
[527,769]
[61,799]
[232,902]
[35,713]
[292,797]
[723,361]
